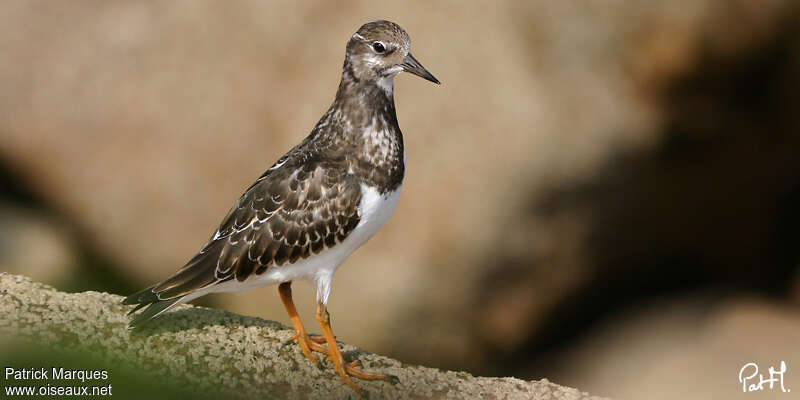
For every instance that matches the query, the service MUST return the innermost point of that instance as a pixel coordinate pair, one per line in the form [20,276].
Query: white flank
[374,210]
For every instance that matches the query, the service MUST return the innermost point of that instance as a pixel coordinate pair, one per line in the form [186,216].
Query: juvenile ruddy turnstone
[316,205]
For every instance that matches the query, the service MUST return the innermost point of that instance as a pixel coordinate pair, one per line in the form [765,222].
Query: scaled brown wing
[287,215]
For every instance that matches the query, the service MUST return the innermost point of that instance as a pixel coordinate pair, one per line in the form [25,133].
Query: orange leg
[285,290]
[335,355]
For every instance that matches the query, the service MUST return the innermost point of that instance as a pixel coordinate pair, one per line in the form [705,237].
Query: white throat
[386,84]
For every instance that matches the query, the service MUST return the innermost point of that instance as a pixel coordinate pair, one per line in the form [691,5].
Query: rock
[235,355]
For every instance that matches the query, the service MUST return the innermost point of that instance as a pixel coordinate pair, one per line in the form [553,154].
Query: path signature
[748,381]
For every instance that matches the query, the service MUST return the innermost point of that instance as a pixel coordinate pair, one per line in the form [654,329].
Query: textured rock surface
[217,350]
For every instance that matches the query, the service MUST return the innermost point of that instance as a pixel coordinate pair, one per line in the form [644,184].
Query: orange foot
[309,344]
[315,344]
[345,371]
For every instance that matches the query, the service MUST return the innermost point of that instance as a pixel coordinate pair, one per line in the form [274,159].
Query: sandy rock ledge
[239,356]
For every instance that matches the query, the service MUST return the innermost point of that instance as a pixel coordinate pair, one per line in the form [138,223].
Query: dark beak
[410,64]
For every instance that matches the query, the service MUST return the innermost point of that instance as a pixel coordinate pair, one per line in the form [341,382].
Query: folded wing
[288,214]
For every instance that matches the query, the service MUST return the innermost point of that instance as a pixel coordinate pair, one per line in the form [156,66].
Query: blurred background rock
[606,184]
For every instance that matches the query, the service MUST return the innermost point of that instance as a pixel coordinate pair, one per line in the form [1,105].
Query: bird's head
[379,51]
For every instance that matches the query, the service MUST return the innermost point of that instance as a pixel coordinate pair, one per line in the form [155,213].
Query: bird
[315,205]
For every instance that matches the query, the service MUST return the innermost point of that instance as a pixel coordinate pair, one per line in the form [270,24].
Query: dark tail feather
[197,274]
[151,311]
[145,297]
[186,287]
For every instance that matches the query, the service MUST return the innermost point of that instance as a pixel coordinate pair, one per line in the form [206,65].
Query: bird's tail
[190,282]
[155,307]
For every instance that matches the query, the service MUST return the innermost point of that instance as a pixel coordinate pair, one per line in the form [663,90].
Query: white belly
[374,211]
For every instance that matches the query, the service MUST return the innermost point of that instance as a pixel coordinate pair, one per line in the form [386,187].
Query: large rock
[219,352]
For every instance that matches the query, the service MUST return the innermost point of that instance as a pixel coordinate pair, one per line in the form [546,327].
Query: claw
[317,339]
[352,371]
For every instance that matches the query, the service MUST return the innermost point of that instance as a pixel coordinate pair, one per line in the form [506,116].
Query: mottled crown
[385,31]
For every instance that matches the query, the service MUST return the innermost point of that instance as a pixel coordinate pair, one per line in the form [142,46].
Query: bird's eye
[378,47]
